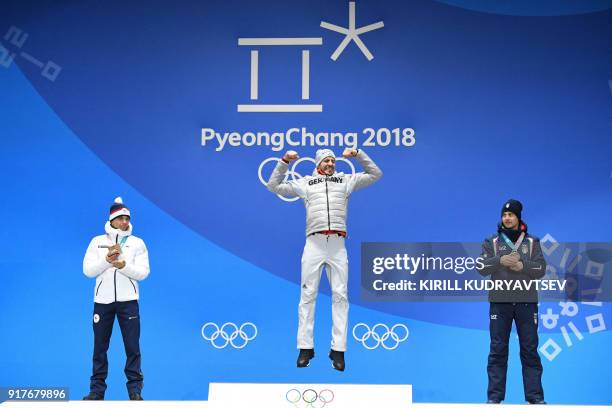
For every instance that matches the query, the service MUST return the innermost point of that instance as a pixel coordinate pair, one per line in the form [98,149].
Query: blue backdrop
[106,99]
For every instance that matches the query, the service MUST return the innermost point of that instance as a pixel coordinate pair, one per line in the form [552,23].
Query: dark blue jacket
[534,267]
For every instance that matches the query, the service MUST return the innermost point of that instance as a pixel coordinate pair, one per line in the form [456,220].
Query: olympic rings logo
[309,398]
[381,335]
[229,337]
[293,173]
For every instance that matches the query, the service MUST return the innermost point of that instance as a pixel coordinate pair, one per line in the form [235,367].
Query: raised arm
[276,183]
[371,171]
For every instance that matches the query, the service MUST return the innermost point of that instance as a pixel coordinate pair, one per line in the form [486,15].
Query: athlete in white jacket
[325,196]
[118,260]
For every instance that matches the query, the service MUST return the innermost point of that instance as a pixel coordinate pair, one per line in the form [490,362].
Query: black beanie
[513,206]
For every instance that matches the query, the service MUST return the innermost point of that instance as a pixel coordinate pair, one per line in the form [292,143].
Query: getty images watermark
[456,272]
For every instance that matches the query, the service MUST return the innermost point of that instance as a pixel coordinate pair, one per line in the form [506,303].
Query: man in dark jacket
[513,255]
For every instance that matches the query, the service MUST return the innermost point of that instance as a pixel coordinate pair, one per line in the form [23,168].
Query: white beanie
[323,154]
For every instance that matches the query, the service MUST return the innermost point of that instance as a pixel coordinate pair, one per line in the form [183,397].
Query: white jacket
[325,197]
[112,284]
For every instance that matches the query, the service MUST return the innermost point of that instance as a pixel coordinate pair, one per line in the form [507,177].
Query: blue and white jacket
[112,284]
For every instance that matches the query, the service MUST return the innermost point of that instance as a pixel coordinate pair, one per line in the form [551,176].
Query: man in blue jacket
[510,255]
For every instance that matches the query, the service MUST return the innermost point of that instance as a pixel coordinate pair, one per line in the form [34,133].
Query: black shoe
[540,402]
[304,357]
[337,358]
[92,396]
[492,401]
[135,396]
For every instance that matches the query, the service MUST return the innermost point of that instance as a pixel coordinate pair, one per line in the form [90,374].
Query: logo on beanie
[507,205]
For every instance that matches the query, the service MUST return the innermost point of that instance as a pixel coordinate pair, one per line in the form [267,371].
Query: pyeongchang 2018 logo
[302,136]
[351,34]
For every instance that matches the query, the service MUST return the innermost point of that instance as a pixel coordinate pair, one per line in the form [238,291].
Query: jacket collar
[115,234]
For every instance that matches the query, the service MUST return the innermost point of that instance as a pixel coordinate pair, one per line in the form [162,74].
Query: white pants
[323,251]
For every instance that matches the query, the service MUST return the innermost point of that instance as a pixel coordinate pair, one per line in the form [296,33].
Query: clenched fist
[349,153]
[509,260]
[119,264]
[517,267]
[290,156]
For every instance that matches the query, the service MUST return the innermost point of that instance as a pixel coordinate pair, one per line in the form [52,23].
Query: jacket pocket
[134,286]
[99,284]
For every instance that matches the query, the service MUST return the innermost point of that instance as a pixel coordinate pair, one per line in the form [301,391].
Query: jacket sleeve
[535,267]
[370,174]
[93,264]
[139,268]
[289,188]
[490,262]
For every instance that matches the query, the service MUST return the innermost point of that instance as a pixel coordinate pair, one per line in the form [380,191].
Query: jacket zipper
[327,197]
[134,286]
[99,284]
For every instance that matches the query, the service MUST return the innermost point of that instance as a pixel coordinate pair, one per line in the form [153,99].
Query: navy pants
[129,321]
[525,316]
